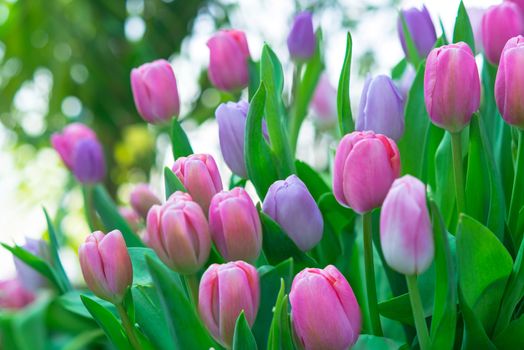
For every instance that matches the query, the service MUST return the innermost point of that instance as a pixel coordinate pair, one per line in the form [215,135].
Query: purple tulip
[228,60]
[28,277]
[500,23]
[235,225]
[178,232]
[106,265]
[89,166]
[324,104]
[199,175]
[66,141]
[155,91]
[366,164]
[324,310]
[142,199]
[509,83]
[14,296]
[290,204]
[381,108]
[406,234]
[451,86]
[225,290]
[421,30]
[301,40]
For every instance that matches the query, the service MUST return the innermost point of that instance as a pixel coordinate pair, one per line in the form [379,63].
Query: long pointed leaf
[345,116]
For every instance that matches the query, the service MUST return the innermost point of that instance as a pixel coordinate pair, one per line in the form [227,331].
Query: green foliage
[243,339]
[462,30]
[345,116]
[179,141]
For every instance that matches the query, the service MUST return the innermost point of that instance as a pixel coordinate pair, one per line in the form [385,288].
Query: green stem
[371,288]
[456,149]
[89,210]
[295,121]
[517,191]
[418,312]
[128,327]
[192,288]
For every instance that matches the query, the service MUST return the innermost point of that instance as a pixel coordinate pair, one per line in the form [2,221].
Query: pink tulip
[235,225]
[155,91]
[13,295]
[178,232]
[405,227]
[519,3]
[451,86]
[500,23]
[324,311]
[510,82]
[200,176]
[66,141]
[225,290]
[366,164]
[142,199]
[132,218]
[106,265]
[228,60]
[324,104]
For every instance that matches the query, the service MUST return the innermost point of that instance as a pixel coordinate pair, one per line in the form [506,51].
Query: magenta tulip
[142,199]
[324,311]
[178,232]
[199,174]
[235,225]
[225,290]
[451,86]
[106,265]
[366,164]
[155,91]
[66,141]
[519,3]
[13,295]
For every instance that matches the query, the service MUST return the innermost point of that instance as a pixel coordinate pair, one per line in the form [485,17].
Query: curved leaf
[345,116]
[243,339]
[179,141]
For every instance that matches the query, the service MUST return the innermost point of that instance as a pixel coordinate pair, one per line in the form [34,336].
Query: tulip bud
[228,60]
[366,164]
[421,30]
[89,166]
[142,199]
[132,218]
[405,228]
[324,104]
[509,83]
[14,296]
[235,225]
[225,290]
[381,108]
[155,91]
[290,204]
[27,276]
[65,143]
[500,23]
[199,175]
[451,86]
[106,265]
[301,40]
[178,232]
[519,3]
[324,310]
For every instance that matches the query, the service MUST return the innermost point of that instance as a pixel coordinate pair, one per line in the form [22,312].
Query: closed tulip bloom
[155,91]
[451,86]
[421,30]
[30,279]
[235,225]
[290,204]
[179,233]
[510,82]
[381,108]
[142,199]
[366,164]
[89,165]
[13,295]
[324,310]
[65,142]
[132,218]
[500,23]
[406,235]
[519,3]
[199,175]
[324,104]
[301,40]
[228,60]
[225,290]
[106,265]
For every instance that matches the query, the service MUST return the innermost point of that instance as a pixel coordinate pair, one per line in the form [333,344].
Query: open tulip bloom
[412,237]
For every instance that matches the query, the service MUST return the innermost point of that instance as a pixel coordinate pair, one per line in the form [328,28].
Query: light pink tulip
[106,265]
[13,295]
[324,311]
[225,290]
[366,164]
[142,199]
[324,104]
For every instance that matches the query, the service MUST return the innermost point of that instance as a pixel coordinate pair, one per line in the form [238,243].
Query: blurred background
[63,61]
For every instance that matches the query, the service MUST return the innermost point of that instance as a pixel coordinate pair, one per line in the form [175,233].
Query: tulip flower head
[30,279]
[142,199]
[421,30]
[13,295]
[301,40]
[324,104]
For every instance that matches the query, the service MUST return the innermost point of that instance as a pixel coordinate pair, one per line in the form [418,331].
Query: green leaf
[141,275]
[345,116]
[82,340]
[31,321]
[445,185]
[186,330]
[367,341]
[179,141]
[314,182]
[280,331]
[272,77]
[254,78]
[335,214]
[270,282]
[172,183]
[257,154]
[111,218]
[399,309]
[398,70]
[56,262]
[484,266]
[511,337]
[243,339]
[462,30]
[108,322]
